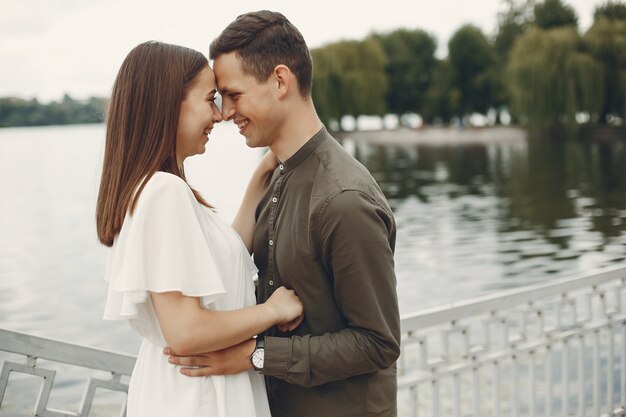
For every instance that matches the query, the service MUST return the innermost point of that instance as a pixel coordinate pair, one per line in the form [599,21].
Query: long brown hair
[263,40]
[141,126]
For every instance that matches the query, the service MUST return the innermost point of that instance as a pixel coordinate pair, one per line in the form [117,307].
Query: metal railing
[548,350]
[34,349]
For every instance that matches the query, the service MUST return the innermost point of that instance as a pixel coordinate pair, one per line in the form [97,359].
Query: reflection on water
[479,217]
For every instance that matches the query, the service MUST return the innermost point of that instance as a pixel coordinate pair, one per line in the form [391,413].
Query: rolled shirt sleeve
[355,239]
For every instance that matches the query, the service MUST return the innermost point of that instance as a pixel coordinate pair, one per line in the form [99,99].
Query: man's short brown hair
[262,40]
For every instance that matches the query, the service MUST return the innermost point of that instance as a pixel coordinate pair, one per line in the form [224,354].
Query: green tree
[442,99]
[606,40]
[512,23]
[410,66]
[551,79]
[612,10]
[20,112]
[553,13]
[472,69]
[349,79]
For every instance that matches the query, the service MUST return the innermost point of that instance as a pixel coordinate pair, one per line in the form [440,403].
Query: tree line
[21,112]
[538,66]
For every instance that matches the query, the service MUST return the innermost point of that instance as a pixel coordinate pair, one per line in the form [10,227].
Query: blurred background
[494,127]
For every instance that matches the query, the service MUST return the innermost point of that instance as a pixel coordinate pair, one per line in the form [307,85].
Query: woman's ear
[283,78]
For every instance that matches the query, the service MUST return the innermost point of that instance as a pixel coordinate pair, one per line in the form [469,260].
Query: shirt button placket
[272,224]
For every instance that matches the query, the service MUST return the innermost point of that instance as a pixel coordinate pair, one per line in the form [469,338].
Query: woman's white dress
[173,243]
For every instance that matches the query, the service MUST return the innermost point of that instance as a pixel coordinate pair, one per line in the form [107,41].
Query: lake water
[472,219]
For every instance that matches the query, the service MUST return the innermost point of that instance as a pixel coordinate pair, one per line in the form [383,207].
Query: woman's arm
[244,221]
[189,329]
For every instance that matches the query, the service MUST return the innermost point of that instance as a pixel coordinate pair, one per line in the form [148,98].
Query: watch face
[258,358]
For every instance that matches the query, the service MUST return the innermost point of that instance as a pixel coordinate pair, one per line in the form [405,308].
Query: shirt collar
[306,149]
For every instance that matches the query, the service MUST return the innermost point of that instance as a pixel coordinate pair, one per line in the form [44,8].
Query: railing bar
[589,307]
[610,368]
[596,373]
[445,345]
[581,377]
[487,336]
[565,378]
[514,386]
[496,390]
[549,381]
[457,395]
[435,390]
[533,384]
[476,382]
[623,366]
[466,341]
[401,365]
[414,401]
[44,393]
[505,333]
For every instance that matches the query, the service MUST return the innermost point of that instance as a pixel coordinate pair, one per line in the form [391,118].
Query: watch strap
[260,342]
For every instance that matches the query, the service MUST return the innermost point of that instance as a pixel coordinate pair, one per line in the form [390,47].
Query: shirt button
[274,200]
[281,167]
[271,242]
[271,282]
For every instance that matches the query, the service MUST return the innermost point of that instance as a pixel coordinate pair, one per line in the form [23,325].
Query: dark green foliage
[442,98]
[606,42]
[410,67]
[20,112]
[551,79]
[612,10]
[512,23]
[553,13]
[349,79]
[472,64]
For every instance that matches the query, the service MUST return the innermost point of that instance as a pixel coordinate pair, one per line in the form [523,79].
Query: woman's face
[198,114]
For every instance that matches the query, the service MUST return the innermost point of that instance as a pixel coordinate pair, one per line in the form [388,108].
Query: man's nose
[228,111]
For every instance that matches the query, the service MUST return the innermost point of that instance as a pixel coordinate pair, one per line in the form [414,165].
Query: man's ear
[283,78]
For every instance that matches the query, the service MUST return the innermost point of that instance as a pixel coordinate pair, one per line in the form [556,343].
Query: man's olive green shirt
[325,229]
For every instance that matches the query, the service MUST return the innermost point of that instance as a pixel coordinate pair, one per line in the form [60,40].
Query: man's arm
[357,237]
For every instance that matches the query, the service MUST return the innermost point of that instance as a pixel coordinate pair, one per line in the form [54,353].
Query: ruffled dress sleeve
[161,248]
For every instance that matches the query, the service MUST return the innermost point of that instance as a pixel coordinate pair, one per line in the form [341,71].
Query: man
[323,229]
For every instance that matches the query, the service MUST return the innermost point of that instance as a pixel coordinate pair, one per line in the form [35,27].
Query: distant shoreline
[436,135]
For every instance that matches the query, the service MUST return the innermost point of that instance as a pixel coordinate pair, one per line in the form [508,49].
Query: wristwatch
[258,355]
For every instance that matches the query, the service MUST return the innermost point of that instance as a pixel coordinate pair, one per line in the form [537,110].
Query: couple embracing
[322,335]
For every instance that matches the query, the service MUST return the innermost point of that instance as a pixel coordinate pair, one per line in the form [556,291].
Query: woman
[178,274]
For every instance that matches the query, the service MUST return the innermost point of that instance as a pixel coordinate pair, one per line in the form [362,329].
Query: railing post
[533,383]
[581,376]
[596,372]
[610,369]
[496,389]
[549,381]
